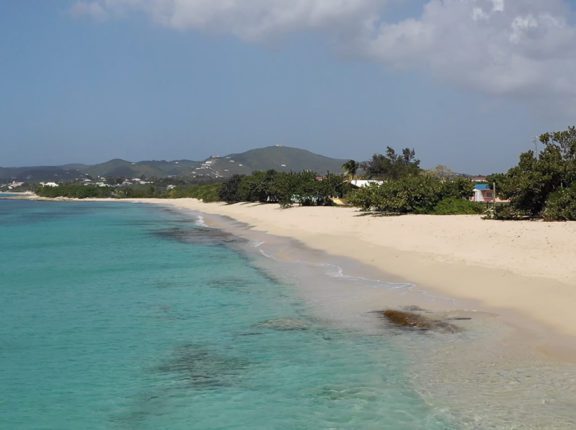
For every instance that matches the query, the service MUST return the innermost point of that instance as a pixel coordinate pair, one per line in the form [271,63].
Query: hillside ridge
[281,158]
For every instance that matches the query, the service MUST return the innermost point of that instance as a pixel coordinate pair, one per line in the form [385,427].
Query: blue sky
[467,83]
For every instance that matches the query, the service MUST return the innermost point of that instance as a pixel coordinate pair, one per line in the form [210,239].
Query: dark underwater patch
[230,284]
[197,236]
[284,324]
[415,321]
[200,368]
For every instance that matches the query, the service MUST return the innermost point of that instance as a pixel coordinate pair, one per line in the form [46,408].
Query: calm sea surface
[119,316]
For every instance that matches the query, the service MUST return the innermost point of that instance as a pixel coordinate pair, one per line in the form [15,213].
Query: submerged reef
[416,322]
[284,324]
[202,368]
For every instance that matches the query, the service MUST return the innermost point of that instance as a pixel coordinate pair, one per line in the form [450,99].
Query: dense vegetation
[417,194]
[206,192]
[392,165]
[406,188]
[304,188]
[543,184]
[75,191]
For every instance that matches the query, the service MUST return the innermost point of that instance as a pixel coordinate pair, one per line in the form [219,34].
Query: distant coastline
[25,194]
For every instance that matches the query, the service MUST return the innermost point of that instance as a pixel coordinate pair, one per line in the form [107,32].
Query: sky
[467,83]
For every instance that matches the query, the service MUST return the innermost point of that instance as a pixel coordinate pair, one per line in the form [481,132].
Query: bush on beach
[543,183]
[302,188]
[415,194]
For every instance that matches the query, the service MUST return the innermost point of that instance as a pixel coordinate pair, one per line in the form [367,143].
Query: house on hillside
[483,194]
[13,185]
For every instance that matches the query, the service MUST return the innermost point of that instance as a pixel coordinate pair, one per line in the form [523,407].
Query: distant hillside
[128,169]
[279,158]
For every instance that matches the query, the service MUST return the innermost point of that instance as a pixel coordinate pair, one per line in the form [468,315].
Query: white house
[362,183]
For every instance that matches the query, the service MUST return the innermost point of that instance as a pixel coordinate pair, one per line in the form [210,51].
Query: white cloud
[522,47]
[506,47]
[247,19]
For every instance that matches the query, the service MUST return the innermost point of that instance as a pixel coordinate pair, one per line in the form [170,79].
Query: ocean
[129,316]
[120,316]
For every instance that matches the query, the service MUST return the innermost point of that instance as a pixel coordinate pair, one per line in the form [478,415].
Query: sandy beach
[519,269]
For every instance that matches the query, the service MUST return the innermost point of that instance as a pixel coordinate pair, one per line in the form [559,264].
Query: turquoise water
[119,316]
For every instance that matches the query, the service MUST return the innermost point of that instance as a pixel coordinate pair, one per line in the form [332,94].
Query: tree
[230,190]
[350,168]
[393,165]
[538,179]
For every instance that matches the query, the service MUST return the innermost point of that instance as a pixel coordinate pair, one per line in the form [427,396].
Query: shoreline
[498,360]
[541,307]
[520,271]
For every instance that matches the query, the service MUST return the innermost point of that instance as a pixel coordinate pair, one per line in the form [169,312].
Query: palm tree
[350,168]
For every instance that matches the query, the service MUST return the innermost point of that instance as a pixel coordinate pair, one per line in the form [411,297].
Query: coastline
[521,270]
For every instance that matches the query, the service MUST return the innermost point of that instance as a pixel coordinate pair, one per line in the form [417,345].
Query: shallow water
[486,375]
[118,316]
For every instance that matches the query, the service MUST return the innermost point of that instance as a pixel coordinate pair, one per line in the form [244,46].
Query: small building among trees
[483,194]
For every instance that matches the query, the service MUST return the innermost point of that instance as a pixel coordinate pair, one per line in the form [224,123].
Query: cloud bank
[522,48]
[248,19]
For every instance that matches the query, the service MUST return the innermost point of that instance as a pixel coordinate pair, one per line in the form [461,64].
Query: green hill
[127,169]
[281,158]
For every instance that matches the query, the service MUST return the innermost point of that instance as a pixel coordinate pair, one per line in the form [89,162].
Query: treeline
[205,192]
[74,191]
[287,189]
[406,188]
[419,194]
[389,166]
[543,184]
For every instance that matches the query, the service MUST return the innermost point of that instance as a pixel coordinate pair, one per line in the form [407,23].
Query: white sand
[525,267]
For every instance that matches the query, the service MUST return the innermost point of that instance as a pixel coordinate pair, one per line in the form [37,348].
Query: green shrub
[458,206]
[230,190]
[412,194]
[538,186]
[561,205]
[508,212]
[205,192]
